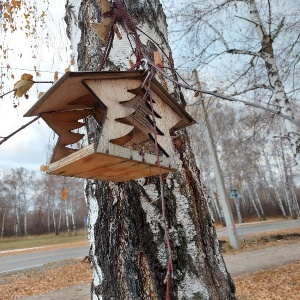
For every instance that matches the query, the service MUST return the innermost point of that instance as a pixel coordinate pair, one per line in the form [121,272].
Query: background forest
[231,56]
[32,203]
[254,159]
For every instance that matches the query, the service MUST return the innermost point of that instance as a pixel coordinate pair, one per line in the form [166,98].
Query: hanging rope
[167,280]
[121,15]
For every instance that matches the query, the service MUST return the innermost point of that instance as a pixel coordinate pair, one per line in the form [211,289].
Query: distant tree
[5,206]
[17,183]
[246,48]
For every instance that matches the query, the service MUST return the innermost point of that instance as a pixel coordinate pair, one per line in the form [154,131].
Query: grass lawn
[31,241]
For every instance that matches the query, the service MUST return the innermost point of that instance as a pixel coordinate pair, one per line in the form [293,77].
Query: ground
[279,283]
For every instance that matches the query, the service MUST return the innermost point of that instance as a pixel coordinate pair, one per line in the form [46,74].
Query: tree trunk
[17,226]
[236,201]
[128,253]
[67,216]
[3,223]
[260,206]
[59,221]
[288,186]
[48,215]
[25,222]
[72,217]
[54,220]
[253,202]
[277,195]
[279,96]
[214,201]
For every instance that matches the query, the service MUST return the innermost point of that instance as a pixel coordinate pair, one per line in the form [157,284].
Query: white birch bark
[262,213]
[17,212]
[279,94]
[214,201]
[125,229]
[277,195]
[54,220]
[253,201]
[72,216]
[3,223]
[67,216]
[59,222]
[25,221]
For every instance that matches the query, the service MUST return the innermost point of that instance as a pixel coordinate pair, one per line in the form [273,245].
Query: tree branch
[236,51]
[221,37]
[217,95]
[16,89]
[280,26]
[257,24]
[4,139]
[43,82]
[7,93]
[259,86]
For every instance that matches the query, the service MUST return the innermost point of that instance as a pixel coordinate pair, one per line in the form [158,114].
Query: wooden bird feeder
[122,148]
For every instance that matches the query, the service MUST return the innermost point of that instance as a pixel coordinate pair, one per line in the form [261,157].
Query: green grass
[13,243]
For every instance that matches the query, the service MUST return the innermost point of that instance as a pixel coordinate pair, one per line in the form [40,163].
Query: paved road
[261,227]
[257,260]
[20,262]
[30,260]
[238,264]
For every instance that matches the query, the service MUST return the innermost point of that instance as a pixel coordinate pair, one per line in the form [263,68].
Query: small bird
[22,86]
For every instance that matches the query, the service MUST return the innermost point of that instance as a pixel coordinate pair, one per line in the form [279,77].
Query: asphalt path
[19,262]
[259,227]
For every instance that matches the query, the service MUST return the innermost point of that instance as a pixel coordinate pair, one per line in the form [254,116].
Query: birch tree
[250,47]
[5,206]
[127,240]
[126,221]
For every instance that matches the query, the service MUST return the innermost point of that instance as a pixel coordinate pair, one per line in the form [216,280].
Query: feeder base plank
[86,163]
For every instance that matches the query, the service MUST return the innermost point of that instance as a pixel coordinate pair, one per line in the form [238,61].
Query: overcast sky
[30,147]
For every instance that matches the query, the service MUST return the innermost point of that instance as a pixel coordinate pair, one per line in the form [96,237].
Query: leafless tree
[247,48]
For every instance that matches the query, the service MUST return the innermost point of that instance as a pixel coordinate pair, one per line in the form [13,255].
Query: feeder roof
[70,92]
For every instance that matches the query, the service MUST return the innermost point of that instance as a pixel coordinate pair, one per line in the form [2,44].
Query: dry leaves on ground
[50,277]
[255,242]
[282,283]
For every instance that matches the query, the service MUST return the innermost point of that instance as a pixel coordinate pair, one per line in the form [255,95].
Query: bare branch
[16,89]
[280,26]
[270,16]
[217,95]
[221,37]
[257,24]
[4,139]
[43,82]
[246,52]
[253,88]
[7,93]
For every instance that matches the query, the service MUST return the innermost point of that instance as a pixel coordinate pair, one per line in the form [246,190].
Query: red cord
[121,15]
[170,264]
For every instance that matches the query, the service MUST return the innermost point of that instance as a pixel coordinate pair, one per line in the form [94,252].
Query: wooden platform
[87,163]
[129,115]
